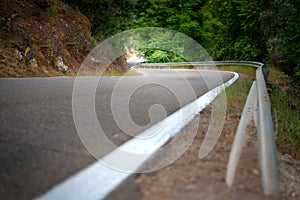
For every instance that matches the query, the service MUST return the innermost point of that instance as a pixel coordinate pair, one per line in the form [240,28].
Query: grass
[241,69]
[285,105]
[237,93]
[286,113]
[170,67]
[246,70]
[236,96]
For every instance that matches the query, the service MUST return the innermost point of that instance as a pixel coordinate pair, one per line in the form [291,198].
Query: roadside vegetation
[286,112]
[236,96]
[285,105]
[263,31]
[244,70]
[237,93]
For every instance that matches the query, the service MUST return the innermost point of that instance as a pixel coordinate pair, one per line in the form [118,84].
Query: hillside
[37,35]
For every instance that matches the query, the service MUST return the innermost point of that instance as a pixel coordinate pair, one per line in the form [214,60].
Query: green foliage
[157,44]
[26,60]
[76,45]
[26,56]
[51,49]
[287,119]
[160,56]
[51,11]
[225,28]
[48,25]
[280,27]
[236,96]
[257,30]
[232,30]
[107,17]
[179,15]
[246,70]
[91,39]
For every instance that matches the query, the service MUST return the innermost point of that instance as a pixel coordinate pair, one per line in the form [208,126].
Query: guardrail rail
[257,104]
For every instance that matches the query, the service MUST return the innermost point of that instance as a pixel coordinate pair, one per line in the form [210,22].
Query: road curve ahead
[39,143]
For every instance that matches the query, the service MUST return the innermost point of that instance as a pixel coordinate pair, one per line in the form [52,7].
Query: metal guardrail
[258,101]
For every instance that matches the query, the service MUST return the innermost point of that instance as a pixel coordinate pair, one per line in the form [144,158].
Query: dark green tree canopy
[260,30]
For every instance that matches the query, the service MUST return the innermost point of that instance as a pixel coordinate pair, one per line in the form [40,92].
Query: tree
[228,29]
[231,29]
[183,16]
[107,17]
[280,28]
[178,15]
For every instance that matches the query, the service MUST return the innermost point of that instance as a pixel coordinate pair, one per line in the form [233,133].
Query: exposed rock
[33,63]
[118,65]
[18,55]
[255,172]
[95,61]
[60,65]
[14,16]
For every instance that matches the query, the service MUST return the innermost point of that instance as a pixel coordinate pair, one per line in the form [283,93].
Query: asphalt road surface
[39,143]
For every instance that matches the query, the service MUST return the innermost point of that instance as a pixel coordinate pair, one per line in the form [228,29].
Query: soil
[36,34]
[42,30]
[193,178]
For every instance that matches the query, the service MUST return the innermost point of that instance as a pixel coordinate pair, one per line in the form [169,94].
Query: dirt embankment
[190,177]
[43,38]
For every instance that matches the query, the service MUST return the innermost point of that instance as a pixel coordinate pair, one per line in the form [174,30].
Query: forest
[256,30]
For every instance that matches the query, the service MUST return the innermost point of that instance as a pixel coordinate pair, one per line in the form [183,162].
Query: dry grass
[130,72]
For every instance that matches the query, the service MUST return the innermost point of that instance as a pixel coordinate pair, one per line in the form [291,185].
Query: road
[39,144]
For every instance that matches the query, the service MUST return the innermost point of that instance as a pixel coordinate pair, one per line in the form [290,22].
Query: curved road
[39,144]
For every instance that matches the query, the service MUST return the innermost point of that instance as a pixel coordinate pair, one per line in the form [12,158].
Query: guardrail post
[265,71]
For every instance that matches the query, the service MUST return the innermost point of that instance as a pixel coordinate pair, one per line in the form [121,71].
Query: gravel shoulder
[190,177]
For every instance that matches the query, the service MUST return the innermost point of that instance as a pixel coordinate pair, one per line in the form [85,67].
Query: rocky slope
[43,38]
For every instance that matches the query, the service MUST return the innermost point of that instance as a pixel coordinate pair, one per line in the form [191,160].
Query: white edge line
[97,181]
